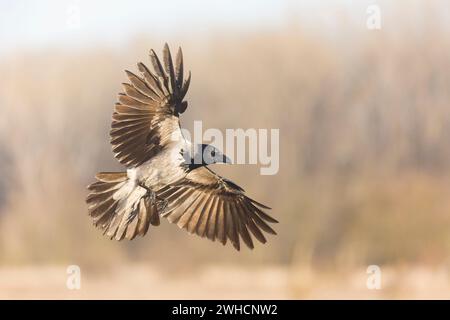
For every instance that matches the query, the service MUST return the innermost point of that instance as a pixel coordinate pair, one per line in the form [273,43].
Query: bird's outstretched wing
[146,117]
[209,205]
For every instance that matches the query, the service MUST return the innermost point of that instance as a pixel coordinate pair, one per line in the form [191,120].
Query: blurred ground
[219,282]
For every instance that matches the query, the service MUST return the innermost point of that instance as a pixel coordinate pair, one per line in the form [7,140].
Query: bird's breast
[163,169]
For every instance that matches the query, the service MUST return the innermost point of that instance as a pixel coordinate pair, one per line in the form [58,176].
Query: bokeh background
[364,119]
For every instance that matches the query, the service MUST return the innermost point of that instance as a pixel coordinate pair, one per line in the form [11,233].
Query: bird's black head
[203,155]
[211,154]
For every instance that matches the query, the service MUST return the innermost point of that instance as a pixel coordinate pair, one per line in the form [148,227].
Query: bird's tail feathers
[120,207]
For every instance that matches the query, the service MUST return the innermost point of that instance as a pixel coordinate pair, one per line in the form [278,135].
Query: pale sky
[32,23]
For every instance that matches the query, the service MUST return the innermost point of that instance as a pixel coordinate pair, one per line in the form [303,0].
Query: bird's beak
[226,160]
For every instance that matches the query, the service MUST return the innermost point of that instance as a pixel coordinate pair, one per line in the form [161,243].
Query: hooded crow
[163,178]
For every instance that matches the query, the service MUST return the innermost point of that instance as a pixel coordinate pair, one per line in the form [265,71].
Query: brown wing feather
[146,115]
[209,205]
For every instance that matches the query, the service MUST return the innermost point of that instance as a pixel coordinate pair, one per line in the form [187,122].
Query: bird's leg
[161,204]
[151,194]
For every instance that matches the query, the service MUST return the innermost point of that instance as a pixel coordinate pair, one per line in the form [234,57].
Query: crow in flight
[164,177]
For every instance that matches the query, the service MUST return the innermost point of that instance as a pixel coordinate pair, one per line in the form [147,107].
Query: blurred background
[364,119]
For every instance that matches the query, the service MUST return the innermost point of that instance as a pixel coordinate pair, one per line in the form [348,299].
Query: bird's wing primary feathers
[209,205]
[146,116]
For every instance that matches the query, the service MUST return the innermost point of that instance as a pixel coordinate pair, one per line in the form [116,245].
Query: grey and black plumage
[162,180]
